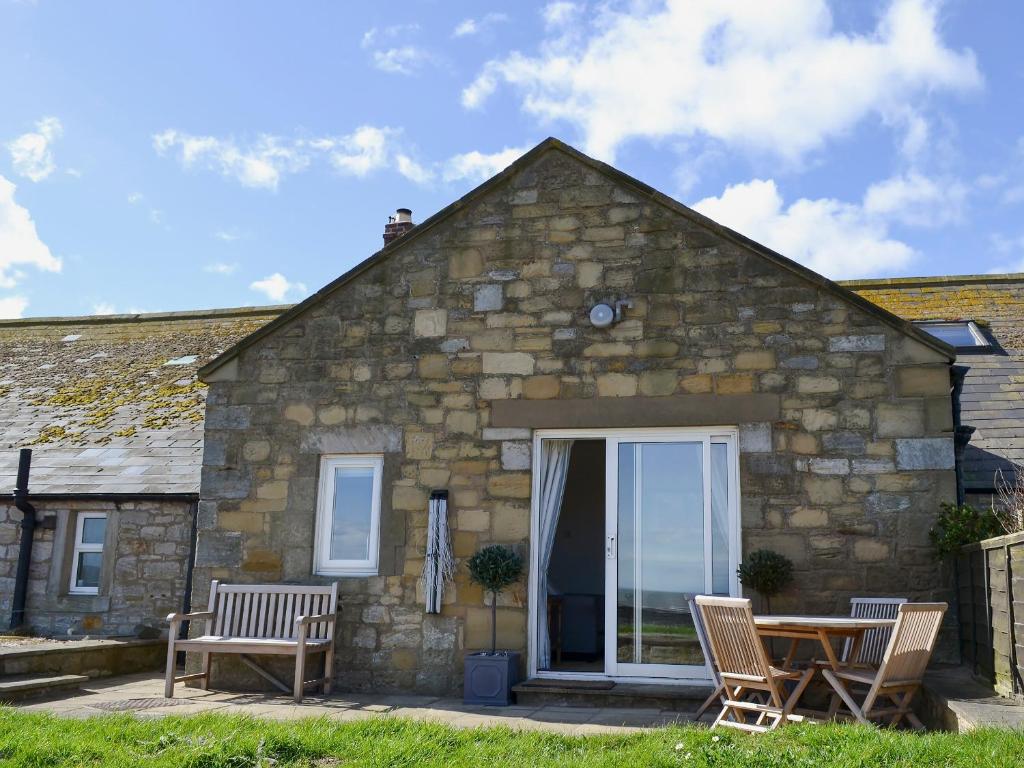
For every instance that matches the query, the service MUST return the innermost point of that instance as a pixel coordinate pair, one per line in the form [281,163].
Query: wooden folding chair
[874,642]
[899,676]
[743,666]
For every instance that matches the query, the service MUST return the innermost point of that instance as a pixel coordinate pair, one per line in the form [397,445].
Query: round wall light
[601,316]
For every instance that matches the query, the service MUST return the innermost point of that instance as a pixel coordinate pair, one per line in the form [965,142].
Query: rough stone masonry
[843,468]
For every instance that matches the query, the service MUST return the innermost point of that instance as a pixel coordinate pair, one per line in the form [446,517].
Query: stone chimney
[398,225]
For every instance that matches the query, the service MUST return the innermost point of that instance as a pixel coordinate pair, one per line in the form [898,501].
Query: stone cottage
[630,394]
[112,412]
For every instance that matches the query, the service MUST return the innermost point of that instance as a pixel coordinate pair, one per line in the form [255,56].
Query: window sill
[346,572]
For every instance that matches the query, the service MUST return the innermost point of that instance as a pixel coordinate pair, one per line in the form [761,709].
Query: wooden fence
[990,586]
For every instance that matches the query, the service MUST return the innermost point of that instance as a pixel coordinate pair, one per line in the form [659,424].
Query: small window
[348,515]
[87,556]
[962,335]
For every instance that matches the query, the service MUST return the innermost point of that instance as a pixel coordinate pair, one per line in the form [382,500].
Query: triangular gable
[621,178]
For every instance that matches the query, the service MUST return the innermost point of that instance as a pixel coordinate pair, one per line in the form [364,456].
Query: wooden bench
[258,619]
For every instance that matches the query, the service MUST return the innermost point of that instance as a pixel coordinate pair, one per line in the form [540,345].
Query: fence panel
[990,592]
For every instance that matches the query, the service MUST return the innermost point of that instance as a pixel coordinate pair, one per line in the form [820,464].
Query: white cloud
[12,307]
[412,170]
[392,51]
[277,287]
[31,154]
[559,13]
[221,268]
[917,200]
[20,244]
[358,153]
[267,160]
[404,60]
[134,198]
[477,166]
[834,238]
[376,35]
[260,165]
[470,27]
[769,76]
[103,308]
[1010,250]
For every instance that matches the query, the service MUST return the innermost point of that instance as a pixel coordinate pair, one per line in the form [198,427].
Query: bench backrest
[269,610]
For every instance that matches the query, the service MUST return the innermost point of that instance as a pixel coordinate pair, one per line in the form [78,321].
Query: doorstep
[952,699]
[606,693]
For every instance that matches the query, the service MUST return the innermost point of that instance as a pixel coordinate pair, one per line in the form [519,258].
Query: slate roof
[100,402]
[992,399]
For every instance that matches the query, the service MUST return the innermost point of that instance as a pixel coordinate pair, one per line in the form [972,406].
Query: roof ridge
[906,282]
[147,317]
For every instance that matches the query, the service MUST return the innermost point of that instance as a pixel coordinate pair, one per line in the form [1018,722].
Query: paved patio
[142,694]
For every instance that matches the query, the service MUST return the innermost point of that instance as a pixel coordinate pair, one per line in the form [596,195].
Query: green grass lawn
[212,741]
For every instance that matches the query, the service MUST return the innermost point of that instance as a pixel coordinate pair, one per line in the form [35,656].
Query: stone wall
[842,468]
[145,562]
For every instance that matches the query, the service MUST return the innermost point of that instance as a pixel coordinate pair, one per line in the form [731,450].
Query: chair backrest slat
[873,645]
[252,610]
[736,648]
[912,642]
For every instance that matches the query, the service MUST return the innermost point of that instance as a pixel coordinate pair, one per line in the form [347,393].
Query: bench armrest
[197,616]
[323,617]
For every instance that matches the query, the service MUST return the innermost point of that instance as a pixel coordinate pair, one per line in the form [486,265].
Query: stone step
[601,693]
[18,687]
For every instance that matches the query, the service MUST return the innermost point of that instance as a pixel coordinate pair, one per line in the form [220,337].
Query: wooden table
[820,628]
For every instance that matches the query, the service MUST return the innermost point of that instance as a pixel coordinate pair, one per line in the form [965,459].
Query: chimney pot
[398,225]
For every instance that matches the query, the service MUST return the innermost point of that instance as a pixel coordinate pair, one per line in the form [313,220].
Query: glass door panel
[670,525]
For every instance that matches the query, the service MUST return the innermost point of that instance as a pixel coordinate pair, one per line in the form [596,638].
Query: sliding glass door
[670,534]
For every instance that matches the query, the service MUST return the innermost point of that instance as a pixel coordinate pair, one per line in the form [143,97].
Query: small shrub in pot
[490,675]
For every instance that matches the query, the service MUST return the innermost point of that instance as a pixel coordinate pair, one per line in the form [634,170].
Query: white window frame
[323,565]
[714,434]
[970,325]
[80,547]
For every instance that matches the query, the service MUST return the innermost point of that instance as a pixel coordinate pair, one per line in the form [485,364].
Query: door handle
[609,547]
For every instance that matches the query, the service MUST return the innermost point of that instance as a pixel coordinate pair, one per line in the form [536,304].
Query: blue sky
[161,156]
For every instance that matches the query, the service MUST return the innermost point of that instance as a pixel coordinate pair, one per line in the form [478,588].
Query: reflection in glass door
[669,537]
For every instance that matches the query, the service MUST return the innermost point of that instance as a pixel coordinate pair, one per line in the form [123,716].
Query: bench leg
[169,675]
[329,669]
[300,674]
[205,684]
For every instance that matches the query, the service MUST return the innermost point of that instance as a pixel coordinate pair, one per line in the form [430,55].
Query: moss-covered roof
[111,404]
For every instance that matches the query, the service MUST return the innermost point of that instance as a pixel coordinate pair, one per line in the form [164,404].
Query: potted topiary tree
[767,573]
[490,675]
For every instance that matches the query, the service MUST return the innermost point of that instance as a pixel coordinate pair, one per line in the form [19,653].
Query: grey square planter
[489,678]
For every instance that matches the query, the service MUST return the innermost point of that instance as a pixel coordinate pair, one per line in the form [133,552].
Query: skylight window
[186,360]
[962,335]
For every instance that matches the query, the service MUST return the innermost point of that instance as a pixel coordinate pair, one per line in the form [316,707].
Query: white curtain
[438,565]
[554,466]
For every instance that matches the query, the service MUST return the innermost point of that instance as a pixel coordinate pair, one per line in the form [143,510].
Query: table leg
[858,640]
[830,653]
[788,662]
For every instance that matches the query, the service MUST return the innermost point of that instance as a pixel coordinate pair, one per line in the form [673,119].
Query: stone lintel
[614,412]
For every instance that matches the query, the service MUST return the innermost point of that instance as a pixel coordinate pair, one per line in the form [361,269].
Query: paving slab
[142,695]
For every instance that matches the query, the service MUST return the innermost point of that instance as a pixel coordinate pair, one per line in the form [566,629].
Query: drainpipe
[961,432]
[186,603]
[28,526]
